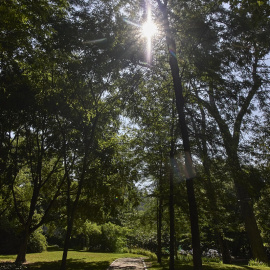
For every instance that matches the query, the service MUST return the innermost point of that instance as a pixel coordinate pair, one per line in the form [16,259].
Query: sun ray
[148,30]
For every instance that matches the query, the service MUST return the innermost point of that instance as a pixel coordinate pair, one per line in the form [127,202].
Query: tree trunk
[253,232]
[66,244]
[159,216]
[190,175]
[21,257]
[231,144]
[189,172]
[226,256]
[210,191]
[159,229]
[72,211]
[246,206]
[172,227]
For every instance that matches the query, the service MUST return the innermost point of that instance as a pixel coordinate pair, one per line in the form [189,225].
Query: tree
[185,137]
[233,76]
[27,140]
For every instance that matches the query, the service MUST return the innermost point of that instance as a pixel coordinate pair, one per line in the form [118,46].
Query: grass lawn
[80,260]
[77,260]
[206,266]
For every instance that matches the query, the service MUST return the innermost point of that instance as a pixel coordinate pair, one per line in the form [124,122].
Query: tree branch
[256,85]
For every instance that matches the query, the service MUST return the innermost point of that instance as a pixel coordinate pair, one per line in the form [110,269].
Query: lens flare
[149,28]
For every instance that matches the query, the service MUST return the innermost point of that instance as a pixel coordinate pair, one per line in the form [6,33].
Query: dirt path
[128,264]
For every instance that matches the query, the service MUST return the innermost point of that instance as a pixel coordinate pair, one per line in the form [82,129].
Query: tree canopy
[158,141]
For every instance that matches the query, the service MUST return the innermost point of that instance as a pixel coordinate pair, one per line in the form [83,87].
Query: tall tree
[233,76]
[190,175]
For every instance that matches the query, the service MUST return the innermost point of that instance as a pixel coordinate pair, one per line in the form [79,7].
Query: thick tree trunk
[246,206]
[253,232]
[21,257]
[226,257]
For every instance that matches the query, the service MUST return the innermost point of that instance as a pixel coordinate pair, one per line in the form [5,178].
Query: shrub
[113,237]
[144,252]
[256,263]
[37,242]
[211,255]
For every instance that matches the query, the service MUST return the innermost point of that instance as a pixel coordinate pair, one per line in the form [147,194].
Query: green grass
[182,265]
[81,260]
[77,260]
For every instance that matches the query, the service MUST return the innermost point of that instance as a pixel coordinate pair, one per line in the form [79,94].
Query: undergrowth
[144,252]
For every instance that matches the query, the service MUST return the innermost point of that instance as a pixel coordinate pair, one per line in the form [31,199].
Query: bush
[37,242]
[144,252]
[211,255]
[107,237]
[10,237]
[113,237]
[256,263]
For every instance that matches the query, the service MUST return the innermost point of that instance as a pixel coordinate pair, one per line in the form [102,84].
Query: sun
[149,28]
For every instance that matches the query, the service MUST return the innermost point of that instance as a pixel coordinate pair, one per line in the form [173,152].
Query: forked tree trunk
[210,191]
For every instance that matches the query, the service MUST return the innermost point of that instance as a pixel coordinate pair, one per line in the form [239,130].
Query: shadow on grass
[206,266]
[71,265]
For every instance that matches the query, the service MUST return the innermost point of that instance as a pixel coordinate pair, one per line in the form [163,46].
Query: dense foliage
[92,149]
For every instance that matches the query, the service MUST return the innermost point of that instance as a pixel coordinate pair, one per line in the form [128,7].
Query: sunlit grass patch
[77,260]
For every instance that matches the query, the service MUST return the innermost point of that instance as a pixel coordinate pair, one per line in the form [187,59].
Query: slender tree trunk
[159,216]
[66,243]
[190,175]
[159,230]
[70,225]
[226,256]
[72,210]
[171,197]
[172,227]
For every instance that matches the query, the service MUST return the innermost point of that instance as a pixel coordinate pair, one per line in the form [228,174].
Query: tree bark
[189,171]
[246,205]
[172,227]
[231,144]
[226,256]
[21,256]
[159,216]
[71,219]
[210,191]
[159,230]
